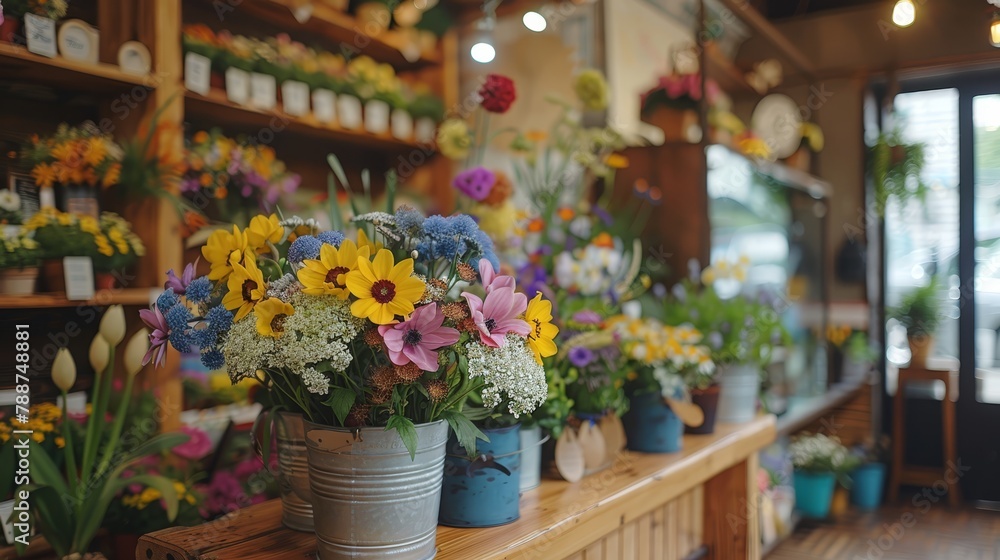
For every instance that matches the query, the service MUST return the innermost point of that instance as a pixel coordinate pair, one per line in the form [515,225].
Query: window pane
[986,123]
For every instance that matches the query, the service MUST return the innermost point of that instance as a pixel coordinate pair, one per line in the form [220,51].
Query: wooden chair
[903,474]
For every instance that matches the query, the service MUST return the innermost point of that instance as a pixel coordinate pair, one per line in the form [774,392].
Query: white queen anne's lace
[316,382]
[318,331]
[511,372]
[245,350]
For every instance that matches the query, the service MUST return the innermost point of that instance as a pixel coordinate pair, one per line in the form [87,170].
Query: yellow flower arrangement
[384,288]
[74,156]
[327,275]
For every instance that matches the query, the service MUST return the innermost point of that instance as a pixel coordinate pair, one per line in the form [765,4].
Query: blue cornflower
[178,318]
[332,237]
[199,290]
[304,247]
[436,226]
[409,220]
[167,300]
[219,319]
[464,226]
[213,359]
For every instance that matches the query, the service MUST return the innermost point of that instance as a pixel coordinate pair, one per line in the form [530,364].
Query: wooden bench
[699,502]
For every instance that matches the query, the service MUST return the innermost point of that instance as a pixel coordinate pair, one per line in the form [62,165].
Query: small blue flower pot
[483,493]
[650,425]
[813,493]
[866,492]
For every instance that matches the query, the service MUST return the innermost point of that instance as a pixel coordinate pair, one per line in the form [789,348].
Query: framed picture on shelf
[24,186]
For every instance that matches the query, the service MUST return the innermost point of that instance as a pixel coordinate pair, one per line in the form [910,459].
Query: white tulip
[135,351]
[113,325]
[99,353]
[64,370]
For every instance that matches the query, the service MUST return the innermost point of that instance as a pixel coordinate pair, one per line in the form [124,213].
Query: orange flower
[221,192]
[536,135]
[112,175]
[205,180]
[44,175]
[603,239]
[501,191]
[616,161]
[566,213]
[200,137]
[536,225]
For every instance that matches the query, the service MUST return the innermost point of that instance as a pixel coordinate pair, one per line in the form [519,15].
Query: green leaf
[466,432]
[476,413]
[44,471]
[341,400]
[334,164]
[407,432]
[54,519]
[336,218]
[391,181]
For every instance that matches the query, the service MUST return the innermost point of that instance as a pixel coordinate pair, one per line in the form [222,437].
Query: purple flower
[586,317]
[604,215]
[715,340]
[581,357]
[180,285]
[158,337]
[475,183]
[679,292]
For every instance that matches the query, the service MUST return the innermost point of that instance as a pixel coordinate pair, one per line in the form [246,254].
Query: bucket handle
[486,461]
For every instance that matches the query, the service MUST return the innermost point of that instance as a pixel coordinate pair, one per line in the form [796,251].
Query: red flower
[497,93]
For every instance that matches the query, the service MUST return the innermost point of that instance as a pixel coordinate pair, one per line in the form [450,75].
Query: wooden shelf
[29,68]
[730,78]
[804,411]
[216,109]
[342,28]
[128,296]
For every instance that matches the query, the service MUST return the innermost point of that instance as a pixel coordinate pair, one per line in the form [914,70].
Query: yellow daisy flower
[543,332]
[326,275]
[363,241]
[221,249]
[384,288]
[246,287]
[264,229]
[271,314]
[44,175]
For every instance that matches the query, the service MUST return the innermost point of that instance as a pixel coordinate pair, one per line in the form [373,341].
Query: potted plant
[61,234]
[10,212]
[704,390]
[819,461]
[427,111]
[116,249]
[660,356]
[920,312]
[868,478]
[13,12]
[76,159]
[896,169]
[19,262]
[377,86]
[365,338]
[672,105]
[94,472]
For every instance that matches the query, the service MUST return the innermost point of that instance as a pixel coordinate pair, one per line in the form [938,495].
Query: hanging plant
[896,167]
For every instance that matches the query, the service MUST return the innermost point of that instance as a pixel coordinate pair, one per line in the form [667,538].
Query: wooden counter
[644,506]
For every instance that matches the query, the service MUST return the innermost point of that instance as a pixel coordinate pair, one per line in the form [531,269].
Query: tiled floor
[927,532]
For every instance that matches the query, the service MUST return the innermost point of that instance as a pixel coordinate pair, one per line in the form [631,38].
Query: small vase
[424,130]
[377,116]
[483,493]
[868,481]
[104,281]
[370,499]
[531,457]
[739,385]
[651,426]
[401,124]
[708,400]
[814,493]
[10,30]
[53,275]
[349,112]
[18,281]
[920,348]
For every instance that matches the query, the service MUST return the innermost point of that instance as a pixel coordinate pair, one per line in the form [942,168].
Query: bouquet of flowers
[62,234]
[52,9]
[666,359]
[679,91]
[821,453]
[367,330]
[74,156]
[239,178]
[116,246]
[20,252]
[10,207]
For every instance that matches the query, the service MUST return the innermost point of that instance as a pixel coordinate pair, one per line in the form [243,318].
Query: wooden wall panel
[851,422]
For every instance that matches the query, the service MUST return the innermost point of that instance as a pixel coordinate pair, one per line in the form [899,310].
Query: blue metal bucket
[650,425]
[813,493]
[483,493]
[866,490]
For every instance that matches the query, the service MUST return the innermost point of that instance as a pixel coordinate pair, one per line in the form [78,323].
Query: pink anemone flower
[417,338]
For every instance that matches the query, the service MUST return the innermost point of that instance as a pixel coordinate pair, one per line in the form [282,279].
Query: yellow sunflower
[326,275]
[246,287]
[384,288]
[221,249]
[363,241]
[264,229]
[271,314]
[543,332]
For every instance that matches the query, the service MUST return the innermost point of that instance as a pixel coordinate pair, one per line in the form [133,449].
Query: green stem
[71,472]
[116,428]
[95,424]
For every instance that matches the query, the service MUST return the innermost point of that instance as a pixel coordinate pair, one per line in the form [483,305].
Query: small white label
[79,273]
[41,33]
[324,103]
[238,86]
[295,98]
[263,91]
[197,73]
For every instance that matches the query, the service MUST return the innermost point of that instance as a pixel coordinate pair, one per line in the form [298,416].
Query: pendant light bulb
[904,13]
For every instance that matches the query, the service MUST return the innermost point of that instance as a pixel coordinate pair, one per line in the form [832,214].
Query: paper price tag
[295,98]
[41,35]
[324,103]
[79,272]
[197,73]
[238,86]
[263,91]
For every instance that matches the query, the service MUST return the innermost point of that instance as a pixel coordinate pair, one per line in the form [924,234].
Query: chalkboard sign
[25,187]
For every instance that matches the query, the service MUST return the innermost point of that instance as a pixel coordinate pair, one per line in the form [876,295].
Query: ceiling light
[534,21]
[483,52]
[903,13]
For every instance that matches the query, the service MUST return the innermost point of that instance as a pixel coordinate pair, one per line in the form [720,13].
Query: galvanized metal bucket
[739,385]
[293,472]
[372,501]
[484,492]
